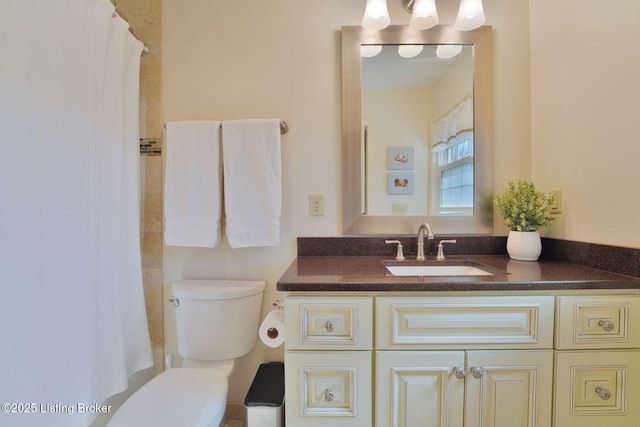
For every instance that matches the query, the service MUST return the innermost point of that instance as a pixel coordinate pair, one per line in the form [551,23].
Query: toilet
[216,323]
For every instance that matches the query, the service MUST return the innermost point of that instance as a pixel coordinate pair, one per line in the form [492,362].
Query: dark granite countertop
[368,273]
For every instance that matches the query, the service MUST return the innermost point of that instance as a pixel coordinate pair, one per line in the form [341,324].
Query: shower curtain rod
[284,127]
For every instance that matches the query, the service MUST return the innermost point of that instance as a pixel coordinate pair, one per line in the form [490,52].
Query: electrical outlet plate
[316,204]
[399,209]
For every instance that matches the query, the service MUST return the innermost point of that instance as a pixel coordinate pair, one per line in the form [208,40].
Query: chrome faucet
[423,227]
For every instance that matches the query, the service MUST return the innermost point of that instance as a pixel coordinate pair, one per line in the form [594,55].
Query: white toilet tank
[217,319]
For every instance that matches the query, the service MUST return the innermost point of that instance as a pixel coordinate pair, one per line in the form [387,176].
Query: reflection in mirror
[417,117]
[417,129]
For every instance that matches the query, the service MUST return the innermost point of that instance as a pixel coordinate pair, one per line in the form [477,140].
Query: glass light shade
[470,15]
[425,15]
[376,15]
[409,50]
[368,51]
[446,51]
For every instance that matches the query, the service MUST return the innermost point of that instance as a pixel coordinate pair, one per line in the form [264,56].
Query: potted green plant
[525,211]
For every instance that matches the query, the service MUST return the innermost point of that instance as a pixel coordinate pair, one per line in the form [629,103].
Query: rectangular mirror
[417,128]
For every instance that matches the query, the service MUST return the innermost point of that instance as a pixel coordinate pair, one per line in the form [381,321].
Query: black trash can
[265,398]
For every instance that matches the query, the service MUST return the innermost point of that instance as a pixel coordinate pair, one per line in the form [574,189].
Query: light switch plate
[556,207]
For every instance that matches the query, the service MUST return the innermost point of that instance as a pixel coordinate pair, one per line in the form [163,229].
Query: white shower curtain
[73,326]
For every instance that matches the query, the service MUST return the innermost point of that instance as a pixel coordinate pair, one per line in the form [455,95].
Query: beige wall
[396,118]
[585,90]
[281,59]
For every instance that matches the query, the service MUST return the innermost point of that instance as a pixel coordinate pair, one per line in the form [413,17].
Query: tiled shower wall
[151,243]
[144,17]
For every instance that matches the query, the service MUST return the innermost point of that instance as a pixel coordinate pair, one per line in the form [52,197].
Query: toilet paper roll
[271,330]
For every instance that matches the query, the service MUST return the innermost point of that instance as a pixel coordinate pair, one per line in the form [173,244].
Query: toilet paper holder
[272,328]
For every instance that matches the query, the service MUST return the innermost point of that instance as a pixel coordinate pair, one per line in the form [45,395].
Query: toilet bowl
[216,322]
[180,397]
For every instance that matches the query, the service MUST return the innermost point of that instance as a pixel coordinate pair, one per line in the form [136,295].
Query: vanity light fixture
[470,15]
[424,14]
[376,15]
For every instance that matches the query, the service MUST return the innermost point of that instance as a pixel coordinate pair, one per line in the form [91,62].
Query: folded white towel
[252,182]
[192,193]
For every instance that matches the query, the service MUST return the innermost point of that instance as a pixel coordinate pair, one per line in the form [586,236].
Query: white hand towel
[252,182]
[192,193]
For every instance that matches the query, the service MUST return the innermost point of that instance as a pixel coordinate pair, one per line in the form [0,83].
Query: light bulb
[367,51]
[446,51]
[409,50]
[425,15]
[376,15]
[470,15]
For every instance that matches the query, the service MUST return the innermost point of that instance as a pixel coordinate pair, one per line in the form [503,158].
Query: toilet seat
[180,397]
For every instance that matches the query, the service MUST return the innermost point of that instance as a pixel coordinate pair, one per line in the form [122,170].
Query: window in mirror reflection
[424,102]
[452,149]
[455,173]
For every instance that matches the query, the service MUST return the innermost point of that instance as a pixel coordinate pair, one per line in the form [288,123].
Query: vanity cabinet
[510,360]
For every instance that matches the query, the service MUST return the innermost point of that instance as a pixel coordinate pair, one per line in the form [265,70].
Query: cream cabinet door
[509,388]
[419,388]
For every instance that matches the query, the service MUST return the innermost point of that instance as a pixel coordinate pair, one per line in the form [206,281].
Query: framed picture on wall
[400,158]
[400,182]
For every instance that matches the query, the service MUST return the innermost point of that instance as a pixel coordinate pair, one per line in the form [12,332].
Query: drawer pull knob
[328,395]
[607,325]
[328,326]
[459,373]
[603,393]
[476,372]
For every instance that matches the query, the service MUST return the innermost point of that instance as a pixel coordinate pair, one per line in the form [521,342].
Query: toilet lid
[185,397]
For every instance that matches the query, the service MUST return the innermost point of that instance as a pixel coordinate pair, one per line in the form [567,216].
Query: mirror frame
[354,222]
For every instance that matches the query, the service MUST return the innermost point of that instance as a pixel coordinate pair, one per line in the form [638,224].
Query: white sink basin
[436,270]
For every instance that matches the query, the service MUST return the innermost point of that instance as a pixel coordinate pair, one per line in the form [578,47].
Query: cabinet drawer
[328,388]
[598,322]
[465,322]
[328,323]
[597,388]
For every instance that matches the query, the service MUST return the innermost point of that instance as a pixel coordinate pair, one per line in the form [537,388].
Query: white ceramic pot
[524,245]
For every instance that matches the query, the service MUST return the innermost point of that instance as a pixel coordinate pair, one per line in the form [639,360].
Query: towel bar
[284,127]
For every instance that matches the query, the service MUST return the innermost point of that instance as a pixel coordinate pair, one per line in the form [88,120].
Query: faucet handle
[440,255]
[399,254]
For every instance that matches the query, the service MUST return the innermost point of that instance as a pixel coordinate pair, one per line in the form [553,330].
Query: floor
[235,415]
